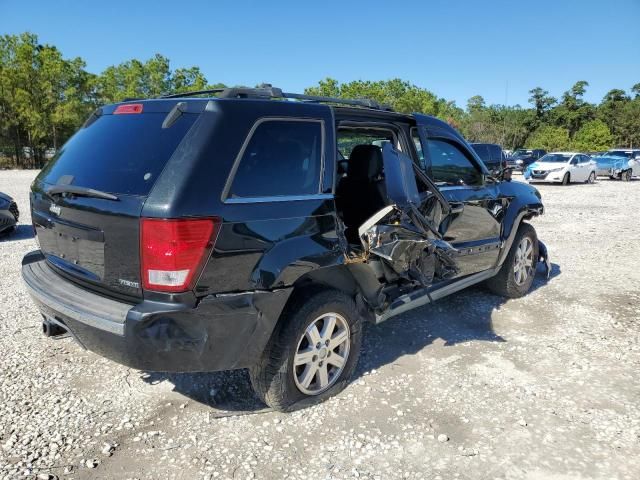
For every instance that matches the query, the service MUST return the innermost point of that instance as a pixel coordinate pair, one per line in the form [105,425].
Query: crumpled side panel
[412,253]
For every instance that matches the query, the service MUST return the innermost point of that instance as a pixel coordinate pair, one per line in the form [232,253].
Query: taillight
[173,251]
[128,108]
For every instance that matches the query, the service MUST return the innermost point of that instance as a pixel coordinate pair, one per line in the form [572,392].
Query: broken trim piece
[362,231]
[422,297]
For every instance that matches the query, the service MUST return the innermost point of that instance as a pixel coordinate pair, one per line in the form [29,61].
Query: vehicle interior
[360,189]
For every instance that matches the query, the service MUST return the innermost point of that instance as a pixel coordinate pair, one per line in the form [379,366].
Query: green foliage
[398,94]
[593,136]
[573,111]
[549,138]
[45,97]
[135,79]
[542,102]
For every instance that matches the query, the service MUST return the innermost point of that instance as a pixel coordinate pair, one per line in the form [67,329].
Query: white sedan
[562,167]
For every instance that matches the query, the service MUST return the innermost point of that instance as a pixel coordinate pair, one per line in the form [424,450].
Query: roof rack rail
[267,91]
[193,93]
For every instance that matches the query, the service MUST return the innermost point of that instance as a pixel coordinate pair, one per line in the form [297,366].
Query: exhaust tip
[50,329]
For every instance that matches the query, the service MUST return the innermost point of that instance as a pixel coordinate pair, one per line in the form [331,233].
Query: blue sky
[456,49]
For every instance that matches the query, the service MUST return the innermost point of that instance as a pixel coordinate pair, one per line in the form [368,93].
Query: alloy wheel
[523,262]
[321,354]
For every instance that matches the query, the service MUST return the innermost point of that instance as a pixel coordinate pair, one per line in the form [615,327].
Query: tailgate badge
[55,209]
[128,283]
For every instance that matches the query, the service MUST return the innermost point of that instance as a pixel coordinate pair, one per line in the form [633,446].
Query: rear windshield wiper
[80,191]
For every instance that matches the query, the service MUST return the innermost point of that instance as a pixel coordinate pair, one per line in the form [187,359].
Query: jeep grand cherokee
[258,229]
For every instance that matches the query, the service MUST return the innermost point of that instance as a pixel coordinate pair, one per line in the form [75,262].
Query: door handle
[456,207]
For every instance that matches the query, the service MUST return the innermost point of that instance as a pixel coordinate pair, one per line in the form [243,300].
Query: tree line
[45,97]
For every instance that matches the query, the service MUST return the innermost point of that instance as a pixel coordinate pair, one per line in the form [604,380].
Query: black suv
[522,158]
[259,229]
[492,156]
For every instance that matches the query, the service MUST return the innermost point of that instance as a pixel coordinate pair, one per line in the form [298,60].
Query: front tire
[625,176]
[592,178]
[518,270]
[566,180]
[312,354]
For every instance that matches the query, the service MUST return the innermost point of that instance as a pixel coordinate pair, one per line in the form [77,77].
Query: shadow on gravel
[21,232]
[459,318]
[463,317]
[228,391]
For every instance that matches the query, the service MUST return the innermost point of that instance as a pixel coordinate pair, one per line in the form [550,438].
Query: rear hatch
[86,202]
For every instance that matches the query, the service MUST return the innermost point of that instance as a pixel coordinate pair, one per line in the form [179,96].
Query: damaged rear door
[405,234]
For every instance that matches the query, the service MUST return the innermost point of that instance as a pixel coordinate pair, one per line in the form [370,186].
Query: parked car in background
[621,164]
[562,167]
[491,155]
[523,157]
[268,258]
[8,214]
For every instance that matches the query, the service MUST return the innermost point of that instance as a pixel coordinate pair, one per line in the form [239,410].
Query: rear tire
[592,178]
[566,180]
[303,364]
[625,176]
[518,270]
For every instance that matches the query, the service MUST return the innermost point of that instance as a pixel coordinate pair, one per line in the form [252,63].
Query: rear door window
[281,158]
[118,153]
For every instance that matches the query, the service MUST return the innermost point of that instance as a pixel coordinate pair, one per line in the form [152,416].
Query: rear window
[118,153]
[482,151]
[496,152]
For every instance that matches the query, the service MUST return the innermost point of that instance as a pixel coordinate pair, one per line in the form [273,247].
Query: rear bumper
[222,332]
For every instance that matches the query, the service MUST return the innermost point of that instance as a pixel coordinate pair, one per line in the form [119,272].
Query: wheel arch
[356,280]
[513,220]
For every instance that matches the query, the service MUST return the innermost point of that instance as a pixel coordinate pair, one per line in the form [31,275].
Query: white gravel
[473,387]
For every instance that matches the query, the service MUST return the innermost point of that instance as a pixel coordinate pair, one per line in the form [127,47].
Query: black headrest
[365,162]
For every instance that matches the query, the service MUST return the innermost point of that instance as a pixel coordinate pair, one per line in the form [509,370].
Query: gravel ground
[473,387]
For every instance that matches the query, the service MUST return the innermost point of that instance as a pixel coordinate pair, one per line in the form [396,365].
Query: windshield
[619,153]
[522,152]
[556,158]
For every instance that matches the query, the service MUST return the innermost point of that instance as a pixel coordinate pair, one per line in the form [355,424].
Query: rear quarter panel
[261,245]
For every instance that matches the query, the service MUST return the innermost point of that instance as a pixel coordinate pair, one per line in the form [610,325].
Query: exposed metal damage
[413,253]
